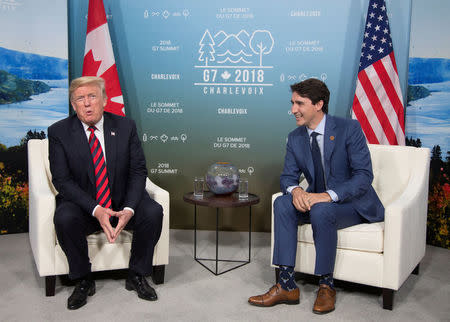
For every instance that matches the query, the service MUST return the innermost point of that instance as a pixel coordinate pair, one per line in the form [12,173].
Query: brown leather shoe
[276,295]
[326,297]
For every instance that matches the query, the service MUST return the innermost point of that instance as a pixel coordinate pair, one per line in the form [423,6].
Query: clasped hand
[303,201]
[103,215]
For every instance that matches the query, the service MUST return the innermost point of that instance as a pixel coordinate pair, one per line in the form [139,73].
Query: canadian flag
[99,56]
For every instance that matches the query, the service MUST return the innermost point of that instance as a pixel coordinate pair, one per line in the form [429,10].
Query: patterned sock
[327,279]
[287,280]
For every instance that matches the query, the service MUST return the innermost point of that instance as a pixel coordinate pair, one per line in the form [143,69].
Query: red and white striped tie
[101,176]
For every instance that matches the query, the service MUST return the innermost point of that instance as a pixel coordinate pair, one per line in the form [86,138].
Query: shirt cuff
[124,208]
[289,189]
[93,211]
[333,195]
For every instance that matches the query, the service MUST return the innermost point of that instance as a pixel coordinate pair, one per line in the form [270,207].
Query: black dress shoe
[83,289]
[140,285]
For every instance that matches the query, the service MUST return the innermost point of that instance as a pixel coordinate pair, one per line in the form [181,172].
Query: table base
[217,260]
[198,260]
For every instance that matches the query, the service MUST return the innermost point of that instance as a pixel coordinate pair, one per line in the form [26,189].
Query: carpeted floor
[192,293]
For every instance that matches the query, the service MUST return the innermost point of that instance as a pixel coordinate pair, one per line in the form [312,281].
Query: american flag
[378,101]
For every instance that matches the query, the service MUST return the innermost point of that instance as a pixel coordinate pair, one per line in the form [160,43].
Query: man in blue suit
[333,156]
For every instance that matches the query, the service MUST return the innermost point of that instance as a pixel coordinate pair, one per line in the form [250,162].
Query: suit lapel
[329,143]
[80,140]
[110,135]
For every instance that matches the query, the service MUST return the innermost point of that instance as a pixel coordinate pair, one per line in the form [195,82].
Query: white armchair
[381,254]
[48,255]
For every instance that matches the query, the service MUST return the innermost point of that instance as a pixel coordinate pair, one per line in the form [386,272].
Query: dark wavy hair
[315,90]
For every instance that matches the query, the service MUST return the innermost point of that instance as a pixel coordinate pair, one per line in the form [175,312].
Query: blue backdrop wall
[208,81]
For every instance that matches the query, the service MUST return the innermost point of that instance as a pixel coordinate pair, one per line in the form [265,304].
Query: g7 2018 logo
[234,63]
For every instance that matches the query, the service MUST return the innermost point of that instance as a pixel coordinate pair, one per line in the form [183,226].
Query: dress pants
[325,218]
[72,225]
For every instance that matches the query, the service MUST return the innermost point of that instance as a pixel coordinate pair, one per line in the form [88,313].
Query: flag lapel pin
[113,133]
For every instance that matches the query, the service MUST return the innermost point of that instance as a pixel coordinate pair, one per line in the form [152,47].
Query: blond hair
[87,80]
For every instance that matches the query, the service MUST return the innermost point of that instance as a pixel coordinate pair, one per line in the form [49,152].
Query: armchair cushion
[363,237]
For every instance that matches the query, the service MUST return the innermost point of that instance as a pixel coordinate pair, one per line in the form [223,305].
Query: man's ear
[73,107]
[319,105]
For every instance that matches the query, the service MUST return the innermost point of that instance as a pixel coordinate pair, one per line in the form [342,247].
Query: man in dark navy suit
[333,156]
[99,170]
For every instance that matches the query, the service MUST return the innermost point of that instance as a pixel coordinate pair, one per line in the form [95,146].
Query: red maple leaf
[90,65]
[112,84]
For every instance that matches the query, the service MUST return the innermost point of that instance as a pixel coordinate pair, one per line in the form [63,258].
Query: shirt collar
[320,128]
[98,125]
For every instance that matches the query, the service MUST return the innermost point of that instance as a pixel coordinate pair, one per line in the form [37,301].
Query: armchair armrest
[405,226]
[161,253]
[41,209]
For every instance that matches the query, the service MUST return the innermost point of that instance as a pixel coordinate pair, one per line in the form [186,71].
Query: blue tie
[319,180]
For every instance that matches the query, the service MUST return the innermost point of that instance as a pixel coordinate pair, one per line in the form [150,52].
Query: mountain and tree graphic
[235,49]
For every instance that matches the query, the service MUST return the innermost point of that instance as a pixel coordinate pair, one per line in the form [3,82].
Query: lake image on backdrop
[428,110]
[35,114]
[428,118]
[33,95]
[428,125]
